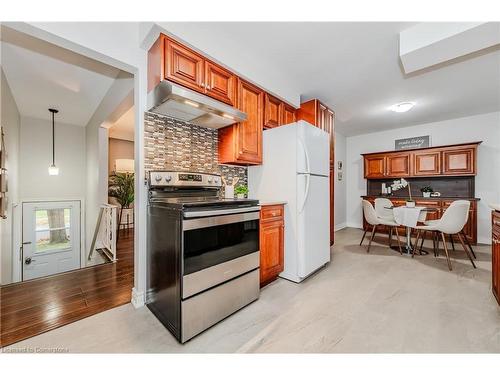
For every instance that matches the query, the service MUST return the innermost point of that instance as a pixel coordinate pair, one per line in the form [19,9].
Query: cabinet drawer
[274,212]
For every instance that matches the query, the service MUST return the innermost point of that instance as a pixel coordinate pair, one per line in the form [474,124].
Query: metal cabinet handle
[28,260]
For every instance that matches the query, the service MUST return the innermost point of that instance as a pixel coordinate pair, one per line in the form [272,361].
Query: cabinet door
[459,161]
[272,112]
[184,66]
[426,163]
[374,166]
[271,250]
[219,83]
[288,114]
[249,134]
[398,165]
[495,265]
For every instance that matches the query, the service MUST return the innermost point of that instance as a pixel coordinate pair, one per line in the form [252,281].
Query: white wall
[11,122]
[36,157]
[119,149]
[340,186]
[485,127]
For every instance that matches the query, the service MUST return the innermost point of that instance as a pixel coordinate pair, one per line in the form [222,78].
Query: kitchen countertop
[271,203]
[419,197]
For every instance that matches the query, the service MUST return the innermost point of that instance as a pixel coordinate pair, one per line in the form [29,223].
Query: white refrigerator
[296,170]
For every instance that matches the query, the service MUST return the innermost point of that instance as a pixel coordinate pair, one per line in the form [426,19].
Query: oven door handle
[190,214]
[213,221]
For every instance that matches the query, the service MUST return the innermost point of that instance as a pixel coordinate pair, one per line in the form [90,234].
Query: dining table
[410,217]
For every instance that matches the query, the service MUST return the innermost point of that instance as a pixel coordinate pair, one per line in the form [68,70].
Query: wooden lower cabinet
[439,206]
[272,245]
[495,255]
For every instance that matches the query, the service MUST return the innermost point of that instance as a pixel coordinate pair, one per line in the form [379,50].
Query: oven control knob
[216,180]
[210,180]
[158,178]
[168,178]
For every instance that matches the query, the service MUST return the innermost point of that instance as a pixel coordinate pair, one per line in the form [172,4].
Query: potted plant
[121,187]
[426,191]
[241,191]
[402,183]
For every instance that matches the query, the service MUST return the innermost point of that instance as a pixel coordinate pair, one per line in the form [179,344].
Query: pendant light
[53,170]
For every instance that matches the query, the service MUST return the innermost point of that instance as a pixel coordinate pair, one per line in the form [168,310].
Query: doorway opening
[65,254]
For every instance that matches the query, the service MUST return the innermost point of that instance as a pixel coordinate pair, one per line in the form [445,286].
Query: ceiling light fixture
[53,170]
[402,107]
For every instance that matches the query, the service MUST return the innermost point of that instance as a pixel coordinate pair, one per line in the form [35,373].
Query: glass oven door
[209,241]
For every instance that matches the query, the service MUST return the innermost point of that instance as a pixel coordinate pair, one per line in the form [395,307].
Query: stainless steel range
[203,252]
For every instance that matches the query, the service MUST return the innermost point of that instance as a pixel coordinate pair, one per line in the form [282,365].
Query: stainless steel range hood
[175,101]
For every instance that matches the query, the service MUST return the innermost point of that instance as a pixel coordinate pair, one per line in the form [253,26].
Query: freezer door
[313,223]
[313,153]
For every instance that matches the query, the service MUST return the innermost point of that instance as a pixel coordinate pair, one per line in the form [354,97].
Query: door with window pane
[51,238]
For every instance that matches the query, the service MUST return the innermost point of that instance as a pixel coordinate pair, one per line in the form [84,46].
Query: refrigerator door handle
[308,170]
[306,193]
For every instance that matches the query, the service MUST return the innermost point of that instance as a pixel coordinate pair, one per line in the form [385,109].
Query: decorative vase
[240,196]
[410,204]
[427,194]
[229,192]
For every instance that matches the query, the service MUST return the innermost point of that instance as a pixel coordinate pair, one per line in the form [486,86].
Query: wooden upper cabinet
[273,109]
[375,166]
[241,143]
[220,84]
[184,66]
[452,160]
[459,161]
[288,114]
[398,165]
[426,163]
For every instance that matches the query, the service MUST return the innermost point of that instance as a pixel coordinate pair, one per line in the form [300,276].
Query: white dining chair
[374,220]
[381,210]
[451,223]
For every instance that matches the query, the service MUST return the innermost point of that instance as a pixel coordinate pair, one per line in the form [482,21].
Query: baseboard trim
[354,225]
[340,226]
[137,298]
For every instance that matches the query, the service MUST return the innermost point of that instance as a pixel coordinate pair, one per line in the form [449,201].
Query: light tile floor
[376,302]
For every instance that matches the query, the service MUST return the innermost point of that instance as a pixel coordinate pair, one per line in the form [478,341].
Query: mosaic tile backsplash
[177,145]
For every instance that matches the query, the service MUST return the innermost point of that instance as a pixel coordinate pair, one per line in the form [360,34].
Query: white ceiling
[43,76]
[123,128]
[355,69]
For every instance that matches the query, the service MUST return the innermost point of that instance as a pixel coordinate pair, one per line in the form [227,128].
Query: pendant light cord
[53,141]
[53,111]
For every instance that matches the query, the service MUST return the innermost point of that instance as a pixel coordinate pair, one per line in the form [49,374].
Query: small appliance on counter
[202,252]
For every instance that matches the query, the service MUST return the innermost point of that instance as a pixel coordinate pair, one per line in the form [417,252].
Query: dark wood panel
[449,187]
[39,305]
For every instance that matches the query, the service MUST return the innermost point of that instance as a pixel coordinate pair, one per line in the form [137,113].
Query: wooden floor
[30,308]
